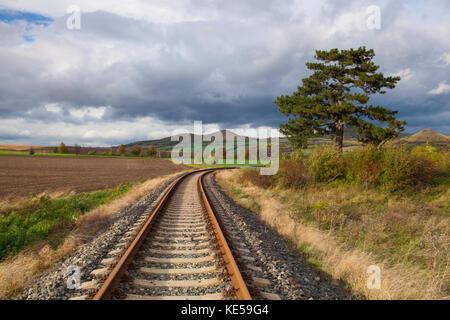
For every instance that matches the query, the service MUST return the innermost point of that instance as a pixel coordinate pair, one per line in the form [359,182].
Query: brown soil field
[20,176]
[15,147]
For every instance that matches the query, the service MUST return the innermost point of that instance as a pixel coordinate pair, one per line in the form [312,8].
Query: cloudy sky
[139,69]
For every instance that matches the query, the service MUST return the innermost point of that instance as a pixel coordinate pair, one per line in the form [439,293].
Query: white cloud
[445,58]
[53,107]
[100,133]
[92,112]
[405,74]
[197,60]
[442,88]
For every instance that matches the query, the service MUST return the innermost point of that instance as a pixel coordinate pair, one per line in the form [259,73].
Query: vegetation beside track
[41,218]
[70,229]
[371,206]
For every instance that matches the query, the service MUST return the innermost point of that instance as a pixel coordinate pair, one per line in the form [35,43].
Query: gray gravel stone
[52,283]
[291,277]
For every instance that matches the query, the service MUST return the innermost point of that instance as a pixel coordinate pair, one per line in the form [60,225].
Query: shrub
[292,174]
[62,148]
[252,176]
[439,158]
[363,166]
[136,151]
[151,152]
[403,168]
[92,153]
[325,164]
[31,152]
[121,150]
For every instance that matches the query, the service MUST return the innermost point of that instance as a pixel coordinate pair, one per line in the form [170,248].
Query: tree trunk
[339,140]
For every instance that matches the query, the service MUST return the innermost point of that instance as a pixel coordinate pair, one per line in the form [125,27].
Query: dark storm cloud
[224,66]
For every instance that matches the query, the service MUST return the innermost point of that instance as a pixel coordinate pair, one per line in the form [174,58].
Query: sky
[138,70]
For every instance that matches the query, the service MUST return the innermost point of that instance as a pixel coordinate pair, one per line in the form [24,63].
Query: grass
[225,165]
[342,229]
[17,270]
[40,217]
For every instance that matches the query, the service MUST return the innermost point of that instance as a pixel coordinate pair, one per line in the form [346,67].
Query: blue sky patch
[9,16]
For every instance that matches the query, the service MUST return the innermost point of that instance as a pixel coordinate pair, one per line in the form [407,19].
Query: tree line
[120,151]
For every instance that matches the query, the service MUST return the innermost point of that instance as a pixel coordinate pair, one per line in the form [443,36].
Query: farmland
[20,176]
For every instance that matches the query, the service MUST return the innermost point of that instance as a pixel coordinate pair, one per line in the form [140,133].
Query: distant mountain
[427,135]
[166,144]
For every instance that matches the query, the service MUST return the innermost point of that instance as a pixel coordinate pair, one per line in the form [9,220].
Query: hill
[166,144]
[427,135]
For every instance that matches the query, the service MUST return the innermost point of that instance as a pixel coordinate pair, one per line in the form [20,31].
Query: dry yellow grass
[16,272]
[342,262]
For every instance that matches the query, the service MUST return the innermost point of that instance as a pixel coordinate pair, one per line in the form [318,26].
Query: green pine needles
[336,96]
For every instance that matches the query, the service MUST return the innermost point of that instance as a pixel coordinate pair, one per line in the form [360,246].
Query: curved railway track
[177,251]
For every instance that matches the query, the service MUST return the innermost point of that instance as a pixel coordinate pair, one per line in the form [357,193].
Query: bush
[92,153]
[253,177]
[151,152]
[363,166]
[325,164]
[121,150]
[62,148]
[292,174]
[31,152]
[402,168]
[136,151]
[439,158]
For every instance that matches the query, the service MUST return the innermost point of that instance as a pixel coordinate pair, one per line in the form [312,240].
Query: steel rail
[233,270]
[114,278]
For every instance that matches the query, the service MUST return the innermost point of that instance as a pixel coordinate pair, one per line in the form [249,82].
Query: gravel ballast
[52,283]
[261,254]
[290,276]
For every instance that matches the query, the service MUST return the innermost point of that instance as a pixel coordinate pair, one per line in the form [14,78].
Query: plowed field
[20,176]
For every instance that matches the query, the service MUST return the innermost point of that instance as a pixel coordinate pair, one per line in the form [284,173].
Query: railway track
[176,252]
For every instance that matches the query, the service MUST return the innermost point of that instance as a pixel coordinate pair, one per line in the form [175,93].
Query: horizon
[137,73]
[204,134]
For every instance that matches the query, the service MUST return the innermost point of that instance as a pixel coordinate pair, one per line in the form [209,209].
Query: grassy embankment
[343,213]
[41,218]
[37,232]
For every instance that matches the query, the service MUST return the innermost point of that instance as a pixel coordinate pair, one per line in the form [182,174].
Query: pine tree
[336,96]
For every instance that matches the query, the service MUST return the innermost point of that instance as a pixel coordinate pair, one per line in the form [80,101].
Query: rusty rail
[114,277]
[233,270]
